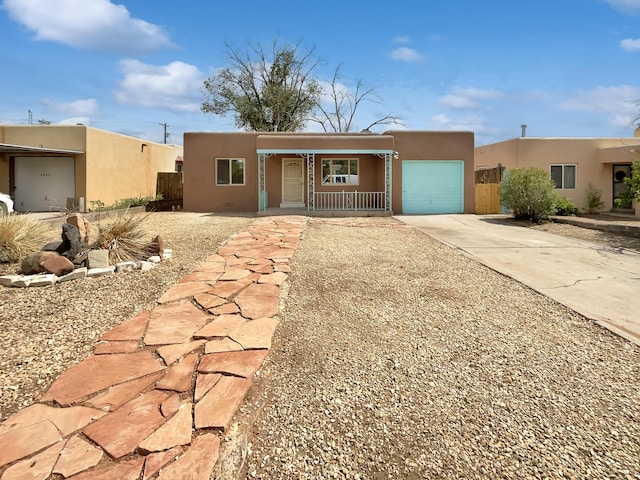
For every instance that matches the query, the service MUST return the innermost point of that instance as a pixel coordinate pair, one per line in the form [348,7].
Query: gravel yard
[396,357]
[45,330]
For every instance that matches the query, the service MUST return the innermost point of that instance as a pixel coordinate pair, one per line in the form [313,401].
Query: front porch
[325,176]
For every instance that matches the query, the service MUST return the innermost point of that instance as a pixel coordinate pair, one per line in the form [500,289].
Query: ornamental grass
[21,235]
[125,236]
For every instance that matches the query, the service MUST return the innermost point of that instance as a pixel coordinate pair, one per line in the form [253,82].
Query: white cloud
[613,100]
[75,121]
[176,86]
[625,6]
[630,44]
[408,55]
[467,98]
[88,24]
[77,108]
[402,39]
[618,103]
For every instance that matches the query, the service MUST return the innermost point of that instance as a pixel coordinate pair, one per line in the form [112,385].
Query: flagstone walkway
[160,389]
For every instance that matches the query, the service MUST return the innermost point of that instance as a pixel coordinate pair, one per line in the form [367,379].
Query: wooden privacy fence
[487,198]
[487,190]
[169,185]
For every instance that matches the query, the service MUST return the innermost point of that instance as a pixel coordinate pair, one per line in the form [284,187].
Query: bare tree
[339,113]
[266,91]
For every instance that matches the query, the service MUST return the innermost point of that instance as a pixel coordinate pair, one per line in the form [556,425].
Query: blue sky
[568,68]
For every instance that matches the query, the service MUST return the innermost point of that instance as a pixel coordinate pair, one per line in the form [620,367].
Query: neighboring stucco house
[394,172]
[47,167]
[573,163]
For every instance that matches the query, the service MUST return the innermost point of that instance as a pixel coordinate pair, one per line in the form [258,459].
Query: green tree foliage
[632,190]
[266,91]
[529,193]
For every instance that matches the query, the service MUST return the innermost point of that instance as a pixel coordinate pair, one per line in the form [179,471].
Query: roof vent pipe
[524,130]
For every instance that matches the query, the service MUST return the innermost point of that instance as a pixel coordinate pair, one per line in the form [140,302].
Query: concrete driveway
[599,282]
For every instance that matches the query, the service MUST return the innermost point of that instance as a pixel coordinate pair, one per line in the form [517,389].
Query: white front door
[292,183]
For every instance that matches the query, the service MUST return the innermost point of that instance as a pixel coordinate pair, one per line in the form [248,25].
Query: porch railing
[349,201]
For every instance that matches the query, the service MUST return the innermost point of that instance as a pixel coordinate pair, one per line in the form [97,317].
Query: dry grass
[21,235]
[125,236]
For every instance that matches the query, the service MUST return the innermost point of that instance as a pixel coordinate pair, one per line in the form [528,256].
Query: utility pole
[166,135]
[30,116]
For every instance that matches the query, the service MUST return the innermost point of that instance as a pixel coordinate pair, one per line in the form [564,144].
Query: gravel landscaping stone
[394,357]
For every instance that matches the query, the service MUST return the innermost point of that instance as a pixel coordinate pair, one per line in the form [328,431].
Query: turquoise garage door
[432,186]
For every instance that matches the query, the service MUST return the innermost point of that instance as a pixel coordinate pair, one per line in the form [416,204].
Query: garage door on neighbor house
[432,186]
[43,183]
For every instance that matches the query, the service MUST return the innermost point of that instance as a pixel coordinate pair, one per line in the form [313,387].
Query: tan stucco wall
[593,156]
[113,167]
[59,137]
[201,150]
[121,167]
[420,145]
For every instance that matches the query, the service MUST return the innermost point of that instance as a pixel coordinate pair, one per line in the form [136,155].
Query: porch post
[262,193]
[388,164]
[310,181]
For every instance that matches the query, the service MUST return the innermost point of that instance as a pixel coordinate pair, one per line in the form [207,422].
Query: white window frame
[562,183]
[349,175]
[230,183]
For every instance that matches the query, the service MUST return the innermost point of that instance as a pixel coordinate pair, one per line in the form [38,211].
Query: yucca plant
[124,235]
[21,235]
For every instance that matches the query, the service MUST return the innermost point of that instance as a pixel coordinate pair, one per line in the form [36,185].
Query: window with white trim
[340,171]
[564,176]
[230,171]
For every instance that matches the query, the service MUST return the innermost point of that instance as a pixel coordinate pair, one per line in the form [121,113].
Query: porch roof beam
[324,151]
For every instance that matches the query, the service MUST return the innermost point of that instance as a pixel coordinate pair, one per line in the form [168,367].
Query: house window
[229,171]
[564,176]
[340,171]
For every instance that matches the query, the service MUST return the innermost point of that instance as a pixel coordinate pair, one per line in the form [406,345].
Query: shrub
[594,199]
[529,193]
[565,207]
[123,234]
[21,235]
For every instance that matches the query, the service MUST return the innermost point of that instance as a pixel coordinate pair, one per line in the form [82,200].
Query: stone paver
[158,383]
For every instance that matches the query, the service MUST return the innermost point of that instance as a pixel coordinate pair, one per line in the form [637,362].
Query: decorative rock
[78,273]
[53,247]
[154,259]
[98,259]
[51,262]
[71,243]
[43,280]
[144,266]
[126,266]
[167,253]
[9,280]
[23,281]
[78,221]
[156,247]
[98,272]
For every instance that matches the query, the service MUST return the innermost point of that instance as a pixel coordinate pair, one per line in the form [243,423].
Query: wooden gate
[487,190]
[169,185]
